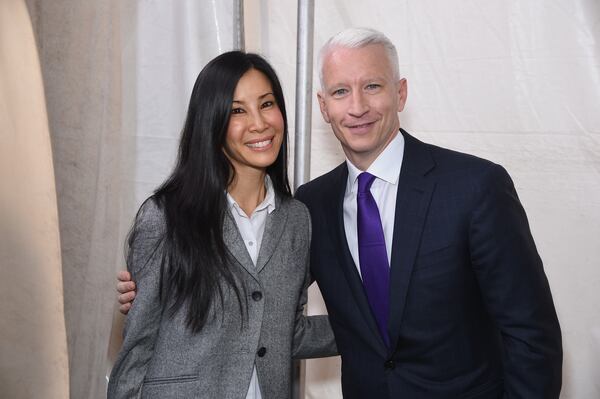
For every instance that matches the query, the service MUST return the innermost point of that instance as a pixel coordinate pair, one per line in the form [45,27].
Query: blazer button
[257,295]
[389,365]
[261,352]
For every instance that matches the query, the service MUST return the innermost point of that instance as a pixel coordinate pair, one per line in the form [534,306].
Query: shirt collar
[268,203]
[385,167]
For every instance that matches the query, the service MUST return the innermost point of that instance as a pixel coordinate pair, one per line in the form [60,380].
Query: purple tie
[372,255]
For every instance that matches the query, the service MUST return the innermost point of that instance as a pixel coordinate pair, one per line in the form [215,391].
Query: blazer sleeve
[313,336]
[143,320]
[515,290]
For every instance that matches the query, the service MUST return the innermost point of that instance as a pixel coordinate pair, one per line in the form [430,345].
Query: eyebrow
[259,97]
[363,81]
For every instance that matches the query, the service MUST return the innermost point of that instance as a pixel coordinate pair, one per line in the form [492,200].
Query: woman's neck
[248,189]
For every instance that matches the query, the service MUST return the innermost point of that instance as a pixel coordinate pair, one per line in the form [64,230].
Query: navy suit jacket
[471,313]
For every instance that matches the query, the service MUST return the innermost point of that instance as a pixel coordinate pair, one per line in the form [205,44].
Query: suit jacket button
[257,295]
[389,365]
[261,352]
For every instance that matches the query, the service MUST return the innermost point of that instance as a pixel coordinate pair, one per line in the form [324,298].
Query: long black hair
[194,199]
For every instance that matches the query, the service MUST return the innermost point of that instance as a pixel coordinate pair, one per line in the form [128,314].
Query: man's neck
[364,160]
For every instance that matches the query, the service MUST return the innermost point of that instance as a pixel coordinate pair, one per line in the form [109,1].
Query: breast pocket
[432,255]
[438,261]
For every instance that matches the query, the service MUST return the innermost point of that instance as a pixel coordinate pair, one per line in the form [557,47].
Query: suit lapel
[412,203]
[235,244]
[347,262]
[274,228]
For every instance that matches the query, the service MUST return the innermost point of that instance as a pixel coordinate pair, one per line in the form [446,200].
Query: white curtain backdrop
[165,44]
[514,81]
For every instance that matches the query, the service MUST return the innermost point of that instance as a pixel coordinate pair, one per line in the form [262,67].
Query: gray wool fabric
[162,358]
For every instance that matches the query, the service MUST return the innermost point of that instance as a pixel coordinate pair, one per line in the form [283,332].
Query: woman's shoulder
[150,218]
[298,216]
[295,208]
[151,209]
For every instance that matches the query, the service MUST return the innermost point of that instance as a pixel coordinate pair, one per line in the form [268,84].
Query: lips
[361,125]
[360,128]
[260,144]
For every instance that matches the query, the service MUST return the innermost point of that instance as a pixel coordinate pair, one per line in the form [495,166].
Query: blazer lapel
[412,203]
[274,227]
[235,244]
[347,262]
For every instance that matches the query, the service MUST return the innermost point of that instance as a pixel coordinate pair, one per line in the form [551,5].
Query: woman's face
[255,130]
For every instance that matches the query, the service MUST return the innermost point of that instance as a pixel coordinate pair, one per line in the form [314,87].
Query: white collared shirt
[386,169]
[252,228]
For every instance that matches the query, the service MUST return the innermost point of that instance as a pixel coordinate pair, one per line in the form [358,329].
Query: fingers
[124,287]
[125,308]
[123,275]
[126,297]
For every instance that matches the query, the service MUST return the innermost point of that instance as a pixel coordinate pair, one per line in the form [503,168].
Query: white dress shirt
[252,228]
[386,169]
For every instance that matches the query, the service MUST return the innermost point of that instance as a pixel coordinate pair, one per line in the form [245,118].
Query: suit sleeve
[515,290]
[313,336]
[143,320]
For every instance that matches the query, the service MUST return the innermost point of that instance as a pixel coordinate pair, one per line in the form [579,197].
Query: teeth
[260,144]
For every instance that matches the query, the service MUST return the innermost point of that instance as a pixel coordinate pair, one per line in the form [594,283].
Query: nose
[359,105]
[258,124]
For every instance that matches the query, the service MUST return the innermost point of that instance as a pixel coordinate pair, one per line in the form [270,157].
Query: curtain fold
[33,345]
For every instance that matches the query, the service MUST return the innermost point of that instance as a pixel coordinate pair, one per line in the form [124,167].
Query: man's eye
[339,92]
[373,86]
[237,111]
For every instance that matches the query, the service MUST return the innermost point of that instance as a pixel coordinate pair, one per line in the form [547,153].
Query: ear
[402,93]
[323,106]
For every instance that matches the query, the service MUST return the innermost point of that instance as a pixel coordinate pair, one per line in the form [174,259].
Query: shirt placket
[250,238]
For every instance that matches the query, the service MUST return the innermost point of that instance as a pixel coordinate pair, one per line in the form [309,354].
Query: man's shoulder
[447,162]
[324,184]
[457,170]
[445,157]
[331,176]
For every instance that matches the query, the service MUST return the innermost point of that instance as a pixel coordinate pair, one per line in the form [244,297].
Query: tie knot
[364,182]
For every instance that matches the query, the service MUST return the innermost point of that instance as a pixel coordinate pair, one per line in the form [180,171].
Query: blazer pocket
[171,380]
[182,386]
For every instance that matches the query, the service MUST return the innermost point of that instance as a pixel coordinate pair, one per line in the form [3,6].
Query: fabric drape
[33,345]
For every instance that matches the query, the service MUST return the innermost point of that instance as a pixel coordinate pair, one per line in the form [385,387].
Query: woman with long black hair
[220,253]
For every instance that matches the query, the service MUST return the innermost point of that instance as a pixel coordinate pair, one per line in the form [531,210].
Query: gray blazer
[161,358]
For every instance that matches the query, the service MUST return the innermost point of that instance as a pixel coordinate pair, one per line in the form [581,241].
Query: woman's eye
[237,111]
[267,104]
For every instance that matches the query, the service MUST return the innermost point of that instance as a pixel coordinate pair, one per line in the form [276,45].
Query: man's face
[361,100]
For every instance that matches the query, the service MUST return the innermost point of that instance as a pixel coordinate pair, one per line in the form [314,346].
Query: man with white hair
[424,256]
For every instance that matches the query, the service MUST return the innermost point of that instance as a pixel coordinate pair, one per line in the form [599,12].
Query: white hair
[358,38]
